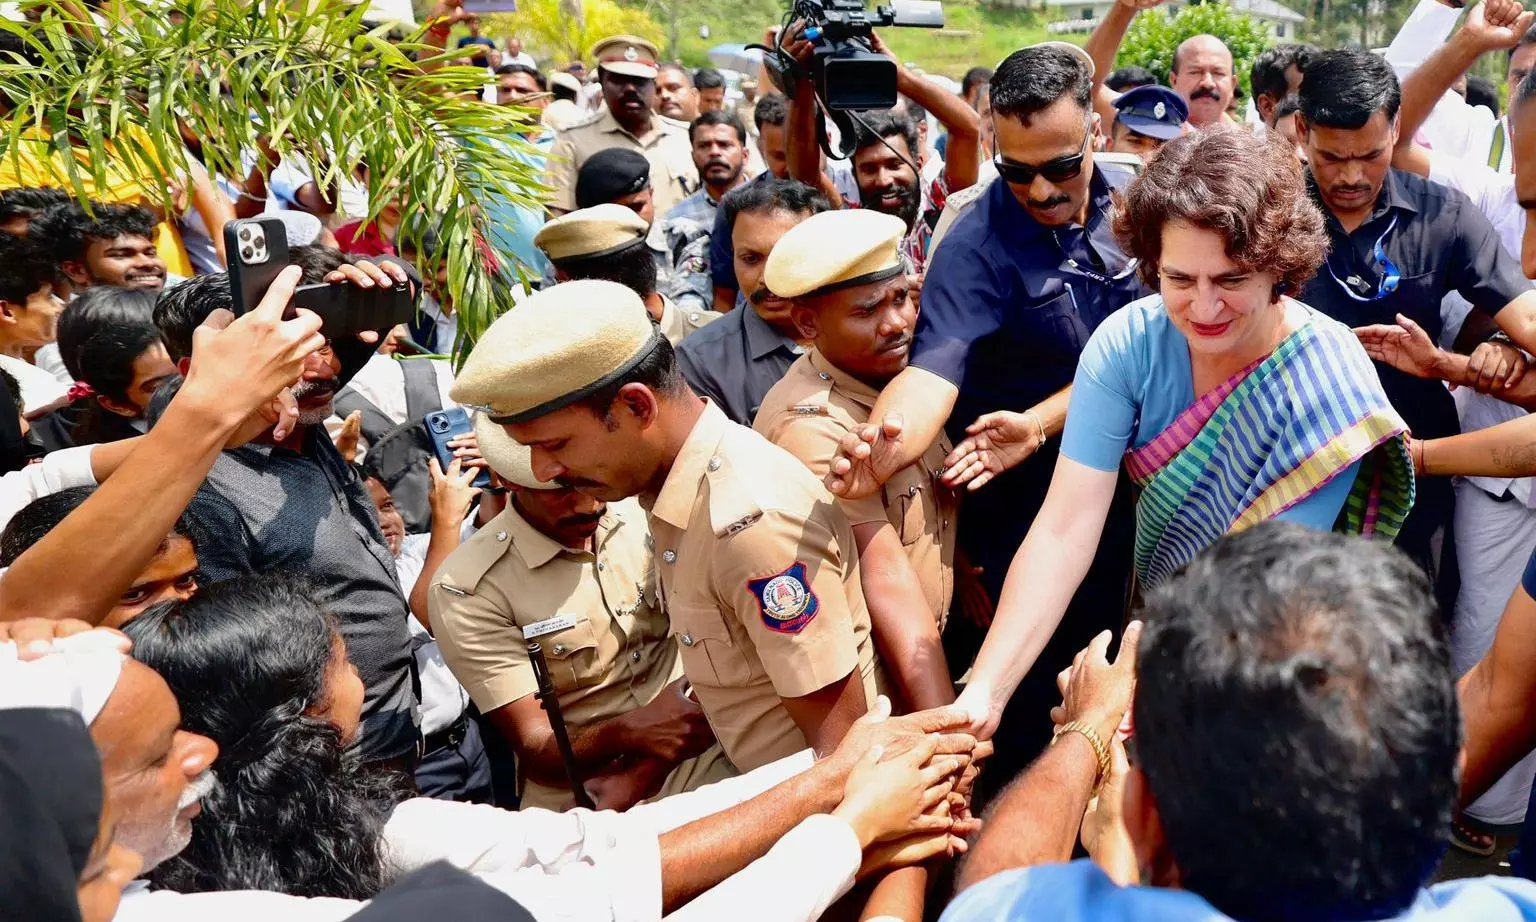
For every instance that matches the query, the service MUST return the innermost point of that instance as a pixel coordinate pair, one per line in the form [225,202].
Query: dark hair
[1529,38]
[533,72]
[676,68]
[974,76]
[658,371]
[25,267]
[1482,92]
[27,202]
[1267,75]
[915,110]
[36,519]
[633,267]
[1128,78]
[295,811]
[707,78]
[885,123]
[67,229]
[1032,79]
[1247,188]
[719,117]
[1344,87]
[772,194]
[771,109]
[1526,90]
[15,391]
[103,332]
[180,309]
[1337,643]
[1290,105]
[562,92]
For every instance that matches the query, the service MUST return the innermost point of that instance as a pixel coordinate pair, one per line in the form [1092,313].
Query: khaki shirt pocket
[912,505]
[572,655]
[711,657]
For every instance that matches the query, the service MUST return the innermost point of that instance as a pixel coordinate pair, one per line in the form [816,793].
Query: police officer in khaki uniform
[609,242]
[758,567]
[560,568]
[628,118]
[852,298]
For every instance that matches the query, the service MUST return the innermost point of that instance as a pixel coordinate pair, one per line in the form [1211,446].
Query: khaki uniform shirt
[809,411]
[597,616]
[761,580]
[676,323]
[666,145]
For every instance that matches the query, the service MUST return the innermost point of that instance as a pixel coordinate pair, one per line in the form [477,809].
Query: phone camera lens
[440,424]
[245,233]
[247,253]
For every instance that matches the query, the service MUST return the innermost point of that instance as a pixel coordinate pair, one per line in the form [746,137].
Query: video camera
[845,69]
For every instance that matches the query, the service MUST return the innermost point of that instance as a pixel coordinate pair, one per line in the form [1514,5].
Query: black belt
[451,738]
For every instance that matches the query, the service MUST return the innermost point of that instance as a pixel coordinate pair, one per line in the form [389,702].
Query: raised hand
[867,457]
[994,443]
[1498,24]
[1405,346]
[452,492]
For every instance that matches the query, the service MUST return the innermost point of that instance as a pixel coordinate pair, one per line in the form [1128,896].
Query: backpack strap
[421,393]
[375,423]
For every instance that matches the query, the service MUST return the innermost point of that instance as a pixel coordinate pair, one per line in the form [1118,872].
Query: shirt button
[669,556]
[714,464]
[600,567]
[686,640]
[635,656]
[501,536]
[824,376]
[559,648]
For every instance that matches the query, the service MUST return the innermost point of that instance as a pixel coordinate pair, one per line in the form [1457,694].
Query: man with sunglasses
[1013,292]
[1398,245]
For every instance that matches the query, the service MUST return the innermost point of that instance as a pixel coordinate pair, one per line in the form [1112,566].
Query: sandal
[1470,840]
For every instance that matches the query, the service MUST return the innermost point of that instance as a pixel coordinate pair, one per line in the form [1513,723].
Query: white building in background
[1083,15]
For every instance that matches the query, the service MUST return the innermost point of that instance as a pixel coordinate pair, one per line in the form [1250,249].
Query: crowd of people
[1092,497]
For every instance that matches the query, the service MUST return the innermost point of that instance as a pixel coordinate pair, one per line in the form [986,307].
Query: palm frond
[313,77]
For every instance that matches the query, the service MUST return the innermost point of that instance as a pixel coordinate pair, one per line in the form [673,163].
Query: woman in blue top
[1227,402]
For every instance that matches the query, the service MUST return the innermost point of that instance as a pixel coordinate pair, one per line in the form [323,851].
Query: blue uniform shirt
[1007,304]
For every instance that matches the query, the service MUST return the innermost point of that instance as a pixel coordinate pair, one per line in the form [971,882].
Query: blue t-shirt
[1133,381]
[1080,892]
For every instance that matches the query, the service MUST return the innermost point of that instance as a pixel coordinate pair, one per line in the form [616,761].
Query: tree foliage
[1155,35]
[311,76]
[557,37]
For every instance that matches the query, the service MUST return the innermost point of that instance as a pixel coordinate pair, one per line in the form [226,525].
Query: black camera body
[845,69]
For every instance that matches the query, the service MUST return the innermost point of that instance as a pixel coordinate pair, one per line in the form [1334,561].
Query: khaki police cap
[509,458]
[629,55]
[833,250]
[563,79]
[559,346]
[589,233]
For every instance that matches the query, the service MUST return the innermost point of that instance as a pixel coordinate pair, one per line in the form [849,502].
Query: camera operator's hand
[797,47]
[365,274]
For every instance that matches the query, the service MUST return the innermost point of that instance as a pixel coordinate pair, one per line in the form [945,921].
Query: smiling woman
[1227,402]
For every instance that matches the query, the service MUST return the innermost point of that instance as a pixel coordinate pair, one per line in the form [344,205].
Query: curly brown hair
[1250,189]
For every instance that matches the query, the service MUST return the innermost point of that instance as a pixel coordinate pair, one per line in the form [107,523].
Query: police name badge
[549,626]
[785,599]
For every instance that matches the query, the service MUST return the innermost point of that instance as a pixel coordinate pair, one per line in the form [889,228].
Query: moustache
[1204,93]
[716,161]
[201,786]
[1349,190]
[577,521]
[310,390]
[761,294]
[893,343]
[576,483]
[1049,203]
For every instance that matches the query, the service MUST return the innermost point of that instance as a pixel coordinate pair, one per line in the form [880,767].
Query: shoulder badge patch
[785,600]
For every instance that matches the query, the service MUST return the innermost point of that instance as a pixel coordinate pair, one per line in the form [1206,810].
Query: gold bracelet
[1100,750]
[1039,424]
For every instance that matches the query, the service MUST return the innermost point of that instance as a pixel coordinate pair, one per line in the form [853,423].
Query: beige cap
[629,55]
[589,233]
[835,249]
[569,81]
[509,458]
[562,344]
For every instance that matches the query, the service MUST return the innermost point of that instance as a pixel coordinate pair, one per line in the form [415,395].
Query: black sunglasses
[1055,171]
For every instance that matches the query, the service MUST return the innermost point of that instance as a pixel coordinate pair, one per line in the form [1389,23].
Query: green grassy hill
[973,34]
